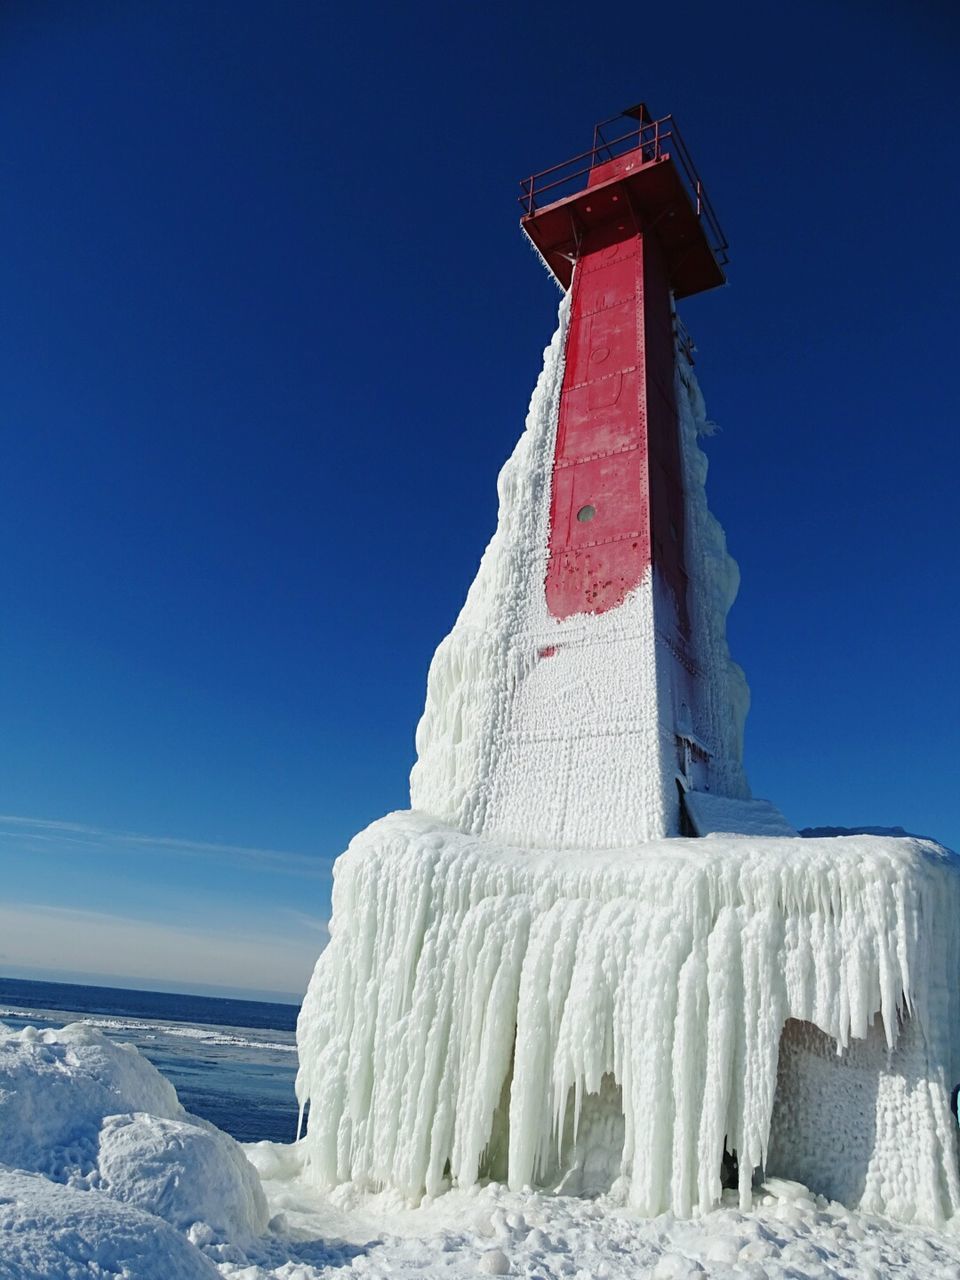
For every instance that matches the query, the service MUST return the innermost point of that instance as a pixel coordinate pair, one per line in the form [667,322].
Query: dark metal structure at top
[645,172]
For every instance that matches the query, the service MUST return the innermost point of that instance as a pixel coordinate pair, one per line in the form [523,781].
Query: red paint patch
[617,425]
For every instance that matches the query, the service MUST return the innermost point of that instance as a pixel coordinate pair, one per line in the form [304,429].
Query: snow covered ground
[104,1174]
[492,1231]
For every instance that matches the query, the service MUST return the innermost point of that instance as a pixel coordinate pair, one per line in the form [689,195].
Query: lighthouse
[586,697]
[540,973]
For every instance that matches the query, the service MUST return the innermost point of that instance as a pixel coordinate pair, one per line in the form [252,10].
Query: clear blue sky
[269,331]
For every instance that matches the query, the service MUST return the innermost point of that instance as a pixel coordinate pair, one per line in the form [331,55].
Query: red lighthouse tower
[637,228]
[586,697]
[627,228]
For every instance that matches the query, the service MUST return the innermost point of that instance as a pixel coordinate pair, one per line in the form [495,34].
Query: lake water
[232,1061]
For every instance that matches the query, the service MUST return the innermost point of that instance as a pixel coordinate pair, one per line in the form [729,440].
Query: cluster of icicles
[474,1000]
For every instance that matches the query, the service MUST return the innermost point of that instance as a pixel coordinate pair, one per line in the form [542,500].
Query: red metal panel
[617,420]
[599,415]
[616,168]
[599,535]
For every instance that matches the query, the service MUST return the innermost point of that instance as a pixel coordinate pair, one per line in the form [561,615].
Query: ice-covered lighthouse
[586,958]
[586,696]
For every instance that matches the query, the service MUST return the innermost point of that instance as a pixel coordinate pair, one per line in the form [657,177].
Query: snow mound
[56,1087]
[51,1232]
[94,1114]
[182,1173]
[482,1010]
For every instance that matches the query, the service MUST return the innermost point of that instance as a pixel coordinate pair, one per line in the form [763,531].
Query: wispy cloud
[46,833]
[310,922]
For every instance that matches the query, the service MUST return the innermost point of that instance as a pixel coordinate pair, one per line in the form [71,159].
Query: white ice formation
[579,750]
[568,1018]
[531,977]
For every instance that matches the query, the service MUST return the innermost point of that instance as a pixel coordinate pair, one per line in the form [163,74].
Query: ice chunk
[494,1263]
[182,1172]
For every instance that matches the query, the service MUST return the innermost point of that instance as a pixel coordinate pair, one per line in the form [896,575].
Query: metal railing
[683,338]
[653,138]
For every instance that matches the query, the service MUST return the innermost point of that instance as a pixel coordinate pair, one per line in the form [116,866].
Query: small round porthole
[586,513]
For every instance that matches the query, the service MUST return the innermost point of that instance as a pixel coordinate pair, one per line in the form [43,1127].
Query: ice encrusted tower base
[526,981]
[614,1021]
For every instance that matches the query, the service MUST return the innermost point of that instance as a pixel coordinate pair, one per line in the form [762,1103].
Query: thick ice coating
[562,733]
[527,980]
[559,1017]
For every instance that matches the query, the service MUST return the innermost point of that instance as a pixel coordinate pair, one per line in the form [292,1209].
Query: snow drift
[56,1089]
[614,1019]
[96,1116]
[51,1232]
